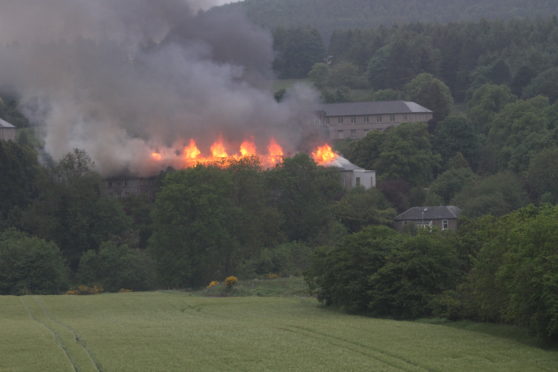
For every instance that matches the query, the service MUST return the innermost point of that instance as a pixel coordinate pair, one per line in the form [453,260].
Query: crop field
[177,331]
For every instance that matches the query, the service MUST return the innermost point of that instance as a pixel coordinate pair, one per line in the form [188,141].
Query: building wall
[8,134]
[438,224]
[355,178]
[341,127]
[124,187]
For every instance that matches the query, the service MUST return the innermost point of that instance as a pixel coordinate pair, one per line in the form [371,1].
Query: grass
[181,331]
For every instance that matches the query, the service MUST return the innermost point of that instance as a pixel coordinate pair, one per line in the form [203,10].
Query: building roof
[5,124]
[372,108]
[345,165]
[429,213]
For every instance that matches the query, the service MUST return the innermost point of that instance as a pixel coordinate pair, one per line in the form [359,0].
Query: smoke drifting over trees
[120,78]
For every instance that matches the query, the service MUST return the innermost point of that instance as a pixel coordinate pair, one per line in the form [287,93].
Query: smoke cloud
[122,78]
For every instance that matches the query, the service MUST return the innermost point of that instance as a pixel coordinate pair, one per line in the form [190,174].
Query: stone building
[442,217]
[7,131]
[355,119]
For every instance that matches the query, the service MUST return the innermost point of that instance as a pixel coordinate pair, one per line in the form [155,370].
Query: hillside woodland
[328,16]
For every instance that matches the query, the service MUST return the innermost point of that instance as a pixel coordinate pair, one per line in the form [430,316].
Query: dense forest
[330,15]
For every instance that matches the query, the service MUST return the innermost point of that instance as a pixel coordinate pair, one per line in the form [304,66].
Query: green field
[178,331]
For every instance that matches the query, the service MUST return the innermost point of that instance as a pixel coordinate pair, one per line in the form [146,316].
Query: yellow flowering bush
[231,281]
[272,276]
[212,284]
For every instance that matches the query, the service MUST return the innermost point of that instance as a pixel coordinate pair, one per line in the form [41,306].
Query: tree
[360,208]
[30,265]
[117,267]
[319,75]
[414,273]
[518,132]
[545,84]
[20,174]
[456,135]
[303,192]
[406,153]
[451,182]
[542,175]
[486,102]
[339,275]
[521,79]
[193,226]
[431,93]
[71,211]
[495,195]
[297,51]
[345,74]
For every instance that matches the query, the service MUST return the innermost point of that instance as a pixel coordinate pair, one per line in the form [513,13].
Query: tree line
[59,227]
[328,16]
[493,269]
[519,54]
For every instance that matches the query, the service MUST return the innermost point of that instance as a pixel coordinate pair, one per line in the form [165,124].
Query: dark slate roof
[430,213]
[5,124]
[372,108]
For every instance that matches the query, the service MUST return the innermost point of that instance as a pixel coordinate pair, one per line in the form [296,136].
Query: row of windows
[365,119]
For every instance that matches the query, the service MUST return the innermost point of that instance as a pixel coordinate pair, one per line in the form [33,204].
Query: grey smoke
[118,78]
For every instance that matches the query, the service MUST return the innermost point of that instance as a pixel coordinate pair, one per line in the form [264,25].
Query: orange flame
[190,155]
[248,148]
[191,152]
[324,155]
[218,149]
[274,149]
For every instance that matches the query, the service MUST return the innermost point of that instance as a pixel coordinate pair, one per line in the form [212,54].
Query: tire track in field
[55,336]
[76,336]
[386,357]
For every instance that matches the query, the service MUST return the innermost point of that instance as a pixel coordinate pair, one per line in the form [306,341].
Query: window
[379,119]
[392,117]
[353,119]
[340,120]
[327,120]
[340,134]
[353,133]
[367,119]
[445,224]
[358,181]
[405,117]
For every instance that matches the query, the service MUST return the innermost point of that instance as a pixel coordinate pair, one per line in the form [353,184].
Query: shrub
[212,284]
[30,265]
[230,282]
[115,267]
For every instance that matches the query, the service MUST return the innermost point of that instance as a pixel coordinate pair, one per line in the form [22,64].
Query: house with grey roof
[355,119]
[7,131]
[442,217]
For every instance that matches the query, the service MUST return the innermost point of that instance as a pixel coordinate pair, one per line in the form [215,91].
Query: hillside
[330,15]
[177,331]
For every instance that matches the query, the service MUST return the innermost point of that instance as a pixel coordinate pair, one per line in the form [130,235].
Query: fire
[219,155]
[218,149]
[324,155]
[274,149]
[248,148]
[191,152]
